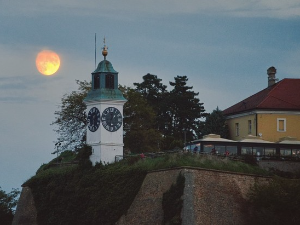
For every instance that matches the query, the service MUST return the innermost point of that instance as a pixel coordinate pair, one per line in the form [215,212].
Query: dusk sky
[223,47]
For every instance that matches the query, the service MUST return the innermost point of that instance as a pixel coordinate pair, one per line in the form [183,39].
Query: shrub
[8,202]
[133,159]
[83,157]
[72,195]
[250,159]
[276,202]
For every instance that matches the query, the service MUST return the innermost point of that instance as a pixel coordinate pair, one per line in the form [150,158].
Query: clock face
[93,119]
[111,119]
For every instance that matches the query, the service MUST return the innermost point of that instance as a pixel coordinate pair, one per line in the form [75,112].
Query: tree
[178,112]
[71,119]
[151,89]
[154,92]
[7,204]
[184,110]
[139,122]
[215,123]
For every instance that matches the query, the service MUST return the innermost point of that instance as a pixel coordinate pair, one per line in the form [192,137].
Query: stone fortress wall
[210,197]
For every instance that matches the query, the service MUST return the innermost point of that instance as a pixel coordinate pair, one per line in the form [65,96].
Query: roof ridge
[284,94]
[269,93]
[257,93]
[285,101]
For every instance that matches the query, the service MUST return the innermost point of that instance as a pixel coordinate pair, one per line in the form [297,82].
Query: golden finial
[104,51]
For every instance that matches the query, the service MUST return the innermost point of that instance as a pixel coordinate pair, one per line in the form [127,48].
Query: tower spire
[104,51]
[95,51]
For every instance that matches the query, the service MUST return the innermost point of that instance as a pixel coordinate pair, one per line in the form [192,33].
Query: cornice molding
[263,112]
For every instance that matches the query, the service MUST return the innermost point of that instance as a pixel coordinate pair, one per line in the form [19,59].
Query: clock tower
[105,114]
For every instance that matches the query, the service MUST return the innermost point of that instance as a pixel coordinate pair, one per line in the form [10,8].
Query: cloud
[8,83]
[20,82]
[115,8]
[19,99]
[289,67]
[19,89]
[269,8]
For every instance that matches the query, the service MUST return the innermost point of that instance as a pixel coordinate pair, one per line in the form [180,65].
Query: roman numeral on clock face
[93,119]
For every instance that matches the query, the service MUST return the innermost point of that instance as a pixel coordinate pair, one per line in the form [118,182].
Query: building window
[270,151]
[285,152]
[96,81]
[109,81]
[296,153]
[232,150]
[246,150]
[237,129]
[249,126]
[281,124]
[208,148]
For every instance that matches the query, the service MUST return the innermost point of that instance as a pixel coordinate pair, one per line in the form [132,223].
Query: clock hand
[111,118]
[94,120]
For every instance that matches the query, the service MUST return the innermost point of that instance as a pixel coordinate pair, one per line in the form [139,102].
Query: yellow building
[271,114]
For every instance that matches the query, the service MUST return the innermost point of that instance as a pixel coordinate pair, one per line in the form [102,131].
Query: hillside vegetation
[82,194]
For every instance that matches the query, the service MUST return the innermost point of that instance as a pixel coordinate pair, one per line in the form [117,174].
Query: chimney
[271,76]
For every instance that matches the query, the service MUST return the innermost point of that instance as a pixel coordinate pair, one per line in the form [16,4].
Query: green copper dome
[104,94]
[105,66]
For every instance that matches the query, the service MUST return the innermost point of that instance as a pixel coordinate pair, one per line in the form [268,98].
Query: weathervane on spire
[104,51]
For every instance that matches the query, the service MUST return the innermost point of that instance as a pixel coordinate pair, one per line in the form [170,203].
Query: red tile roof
[284,95]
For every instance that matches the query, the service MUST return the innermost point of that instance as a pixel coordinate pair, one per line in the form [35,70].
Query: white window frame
[284,124]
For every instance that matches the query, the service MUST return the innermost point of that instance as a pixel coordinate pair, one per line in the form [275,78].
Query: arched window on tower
[109,81]
[97,81]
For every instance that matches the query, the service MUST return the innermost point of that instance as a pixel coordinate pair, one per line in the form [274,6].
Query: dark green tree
[8,201]
[154,92]
[71,120]
[151,89]
[215,123]
[139,123]
[184,111]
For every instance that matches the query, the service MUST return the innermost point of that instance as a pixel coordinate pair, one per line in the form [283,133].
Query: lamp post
[184,138]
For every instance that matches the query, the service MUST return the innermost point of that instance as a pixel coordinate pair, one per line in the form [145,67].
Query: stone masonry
[210,197]
[146,208]
[26,211]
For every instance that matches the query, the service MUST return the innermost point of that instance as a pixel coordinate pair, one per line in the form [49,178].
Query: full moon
[47,62]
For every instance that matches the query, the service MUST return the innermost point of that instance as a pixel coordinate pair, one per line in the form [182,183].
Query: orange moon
[47,62]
